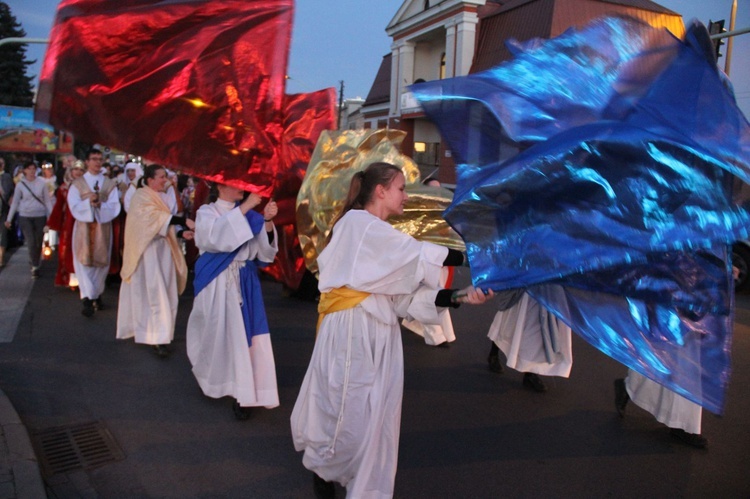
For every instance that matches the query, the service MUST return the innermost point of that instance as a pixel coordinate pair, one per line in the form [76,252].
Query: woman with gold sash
[347,417]
[153,272]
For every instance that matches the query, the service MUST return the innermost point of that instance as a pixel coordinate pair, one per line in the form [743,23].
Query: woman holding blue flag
[347,417]
[228,340]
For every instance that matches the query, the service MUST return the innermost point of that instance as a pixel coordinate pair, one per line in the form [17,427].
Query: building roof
[643,4]
[526,19]
[380,91]
[500,20]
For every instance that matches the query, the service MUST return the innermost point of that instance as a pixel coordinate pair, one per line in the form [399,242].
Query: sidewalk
[19,470]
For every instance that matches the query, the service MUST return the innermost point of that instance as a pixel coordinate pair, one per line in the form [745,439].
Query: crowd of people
[140,225]
[59,224]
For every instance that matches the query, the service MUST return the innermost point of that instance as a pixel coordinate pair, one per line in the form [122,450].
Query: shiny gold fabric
[337,157]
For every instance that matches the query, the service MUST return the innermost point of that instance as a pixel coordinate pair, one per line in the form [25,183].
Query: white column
[402,72]
[465,38]
[395,71]
[450,48]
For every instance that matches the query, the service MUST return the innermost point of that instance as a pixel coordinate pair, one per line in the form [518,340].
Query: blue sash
[209,265]
[253,310]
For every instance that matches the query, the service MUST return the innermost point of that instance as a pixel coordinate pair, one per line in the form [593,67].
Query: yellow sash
[337,300]
[147,216]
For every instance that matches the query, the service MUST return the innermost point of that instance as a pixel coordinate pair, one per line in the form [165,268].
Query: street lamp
[15,39]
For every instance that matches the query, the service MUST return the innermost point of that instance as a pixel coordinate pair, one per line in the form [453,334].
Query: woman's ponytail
[362,186]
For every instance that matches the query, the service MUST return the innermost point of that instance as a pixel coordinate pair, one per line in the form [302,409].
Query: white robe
[518,333]
[147,307]
[217,347]
[434,334]
[667,407]
[91,280]
[347,417]
[170,199]
[128,196]
[51,237]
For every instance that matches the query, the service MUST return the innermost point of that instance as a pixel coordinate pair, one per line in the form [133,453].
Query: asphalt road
[466,432]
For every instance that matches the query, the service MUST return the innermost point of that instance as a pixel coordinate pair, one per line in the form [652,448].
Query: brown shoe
[533,381]
[691,439]
[240,413]
[88,307]
[494,365]
[161,351]
[621,397]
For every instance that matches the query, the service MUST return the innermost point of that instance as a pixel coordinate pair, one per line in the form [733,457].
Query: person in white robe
[534,342]
[682,416]
[154,272]
[228,339]
[170,194]
[94,202]
[133,172]
[347,417]
[48,175]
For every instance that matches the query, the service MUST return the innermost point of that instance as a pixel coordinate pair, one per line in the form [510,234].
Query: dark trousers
[33,233]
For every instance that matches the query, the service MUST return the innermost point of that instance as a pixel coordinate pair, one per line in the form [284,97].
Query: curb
[20,457]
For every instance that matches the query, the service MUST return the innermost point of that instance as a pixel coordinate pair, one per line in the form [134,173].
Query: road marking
[15,288]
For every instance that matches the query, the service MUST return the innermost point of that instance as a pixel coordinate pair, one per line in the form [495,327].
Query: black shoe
[691,439]
[240,413]
[621,397]
[88,307]
[444,344]
[161,351]
[98,304]
[323,489]
[531,380]
[494,365]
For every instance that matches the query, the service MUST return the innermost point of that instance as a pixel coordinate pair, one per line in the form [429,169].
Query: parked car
[741,260]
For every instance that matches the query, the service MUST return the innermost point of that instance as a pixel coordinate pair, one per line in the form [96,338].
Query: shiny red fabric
[305,117]
[194,85]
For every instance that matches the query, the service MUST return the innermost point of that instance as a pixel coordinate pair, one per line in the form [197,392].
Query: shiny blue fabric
[596,169]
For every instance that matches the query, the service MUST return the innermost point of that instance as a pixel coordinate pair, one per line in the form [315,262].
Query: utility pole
[341,102]
[732,17]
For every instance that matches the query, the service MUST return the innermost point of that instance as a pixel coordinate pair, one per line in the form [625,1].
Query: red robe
[62,221]
[115,261]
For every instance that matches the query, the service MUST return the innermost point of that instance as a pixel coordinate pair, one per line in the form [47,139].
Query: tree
[15,86]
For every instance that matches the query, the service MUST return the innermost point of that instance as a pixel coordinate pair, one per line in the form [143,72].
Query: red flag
[195,85]
[305,116]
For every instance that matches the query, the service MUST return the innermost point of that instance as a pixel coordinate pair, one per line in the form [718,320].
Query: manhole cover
[74,447]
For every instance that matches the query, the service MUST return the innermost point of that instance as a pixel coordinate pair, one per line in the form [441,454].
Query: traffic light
[716,28]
